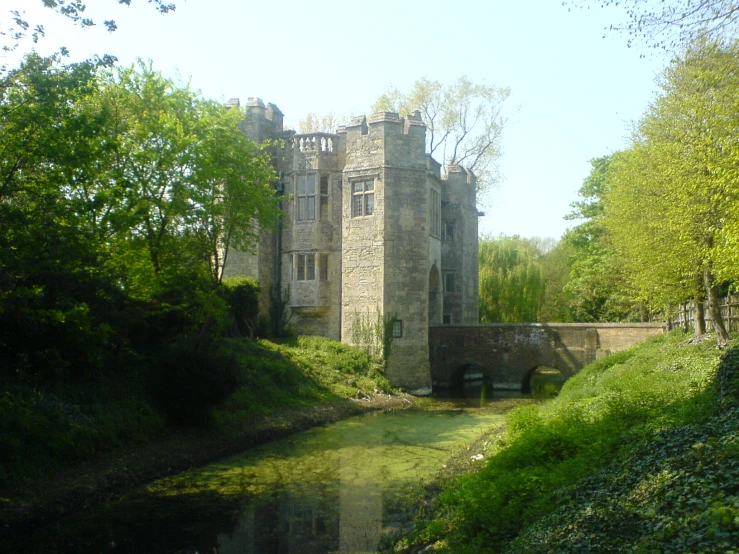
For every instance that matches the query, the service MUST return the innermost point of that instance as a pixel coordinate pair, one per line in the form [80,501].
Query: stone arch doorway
[435,296]
[543,381]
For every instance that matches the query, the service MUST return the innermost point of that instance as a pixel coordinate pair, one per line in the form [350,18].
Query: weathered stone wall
[363,239]
[385,256]
[507,354]
[407,274]
[460,246]
[260,123]
[314,303]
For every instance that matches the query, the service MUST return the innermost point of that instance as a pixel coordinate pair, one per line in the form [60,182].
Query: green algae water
[322,491]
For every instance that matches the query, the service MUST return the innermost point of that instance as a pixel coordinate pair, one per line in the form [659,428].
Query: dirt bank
[31,504]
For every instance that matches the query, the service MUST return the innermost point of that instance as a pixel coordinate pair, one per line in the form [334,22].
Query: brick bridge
[506,354]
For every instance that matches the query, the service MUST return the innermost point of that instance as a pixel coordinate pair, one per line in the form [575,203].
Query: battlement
[433,166]
[461,186]
[379,117]
[315,142]
[411,125]
[260,122]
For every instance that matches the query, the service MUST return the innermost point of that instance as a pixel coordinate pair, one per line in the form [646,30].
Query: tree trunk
[722,337]
[684,311]
[700,317]
[668,318]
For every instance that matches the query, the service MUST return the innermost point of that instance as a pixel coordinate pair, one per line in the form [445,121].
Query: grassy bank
[637,454]
[46,427]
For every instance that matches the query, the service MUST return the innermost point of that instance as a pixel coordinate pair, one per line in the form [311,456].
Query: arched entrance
[467,382]
[435,296]
[543,382]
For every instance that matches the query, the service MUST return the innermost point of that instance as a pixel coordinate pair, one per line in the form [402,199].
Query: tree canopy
[74,10]
[118,190]
[672,196]
[596,286]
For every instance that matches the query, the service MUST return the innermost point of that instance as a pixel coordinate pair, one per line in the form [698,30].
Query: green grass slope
[638,453]
[296,372]
[44,425]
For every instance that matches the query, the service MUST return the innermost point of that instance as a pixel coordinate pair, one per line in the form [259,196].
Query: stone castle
[372,230]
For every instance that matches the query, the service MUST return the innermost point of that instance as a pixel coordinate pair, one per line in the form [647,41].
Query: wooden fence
[685,316]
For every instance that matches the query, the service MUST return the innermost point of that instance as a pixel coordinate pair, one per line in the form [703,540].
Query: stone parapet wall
[507,354]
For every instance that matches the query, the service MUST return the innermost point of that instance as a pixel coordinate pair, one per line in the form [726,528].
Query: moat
[331,489]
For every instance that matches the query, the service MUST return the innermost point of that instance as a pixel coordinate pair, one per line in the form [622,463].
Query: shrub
[242,298]
[191,379]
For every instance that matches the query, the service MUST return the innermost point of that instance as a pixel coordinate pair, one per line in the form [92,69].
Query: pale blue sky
[574,93]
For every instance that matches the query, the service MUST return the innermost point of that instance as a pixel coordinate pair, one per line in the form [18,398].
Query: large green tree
[183,172]
[596,286]
[50,281]
[115,188]
[672,200]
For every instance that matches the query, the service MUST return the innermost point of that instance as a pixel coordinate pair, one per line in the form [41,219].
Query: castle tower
[459,247]
[260,123]
[391,214]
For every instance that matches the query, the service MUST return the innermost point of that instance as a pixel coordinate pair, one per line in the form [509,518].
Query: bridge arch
[549,374]
[469,381]
[465,372]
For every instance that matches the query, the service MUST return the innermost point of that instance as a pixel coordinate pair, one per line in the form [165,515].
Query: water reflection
[318,492]
[284,522]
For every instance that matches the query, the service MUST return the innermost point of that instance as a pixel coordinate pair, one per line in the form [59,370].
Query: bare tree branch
[464,121]
[670,24]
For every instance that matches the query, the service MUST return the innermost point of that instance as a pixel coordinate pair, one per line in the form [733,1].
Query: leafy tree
[556,264]
[673,23]
[51,287]
[512,283]
[185,172]
[672,199]
[119,195]
[596,287]
[464,121]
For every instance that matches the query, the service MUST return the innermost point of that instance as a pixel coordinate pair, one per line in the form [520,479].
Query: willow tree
[512,285]
[672,200]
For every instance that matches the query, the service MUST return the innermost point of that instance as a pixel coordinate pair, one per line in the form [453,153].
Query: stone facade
[372,230]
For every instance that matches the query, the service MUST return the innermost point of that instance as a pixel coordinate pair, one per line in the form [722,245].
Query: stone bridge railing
[508,353]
